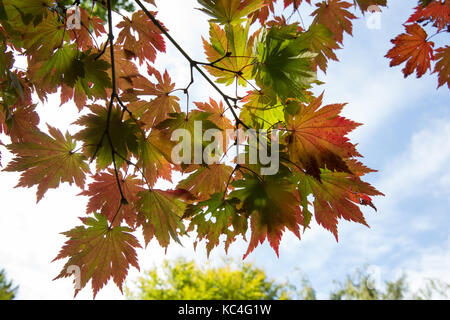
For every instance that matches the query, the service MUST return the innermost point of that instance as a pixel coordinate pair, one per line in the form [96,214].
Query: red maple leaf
[442,67]
[334,15]
[413,48]
[438,12]
[105,197]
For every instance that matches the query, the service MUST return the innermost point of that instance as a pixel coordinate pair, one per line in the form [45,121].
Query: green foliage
[284,62]
[7,290]
[433,288]
[361,286]
[184,280]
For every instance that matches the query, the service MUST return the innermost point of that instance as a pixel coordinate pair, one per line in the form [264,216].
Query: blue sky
[405,136]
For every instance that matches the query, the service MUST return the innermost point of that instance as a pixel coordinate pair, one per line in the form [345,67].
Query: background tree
[361,286]
[7,289]
[184,280]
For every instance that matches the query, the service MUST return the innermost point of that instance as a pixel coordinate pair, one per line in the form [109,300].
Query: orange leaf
[435,11]
[100,253]
[334,15]
[413,48]
[442,67]
[205,181]
[149,41]
[337,196]
[164,103]
[105,197]
[47,161]
[316,138]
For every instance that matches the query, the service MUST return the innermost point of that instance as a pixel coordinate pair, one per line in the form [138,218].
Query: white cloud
[420,167]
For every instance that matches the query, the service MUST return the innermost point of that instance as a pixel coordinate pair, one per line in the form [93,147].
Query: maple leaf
[283,63]
[190,137]
[160,216]
[104,197]
[413,48]
[21,124]
[81,71]
[101,252]
[150,39]
[217,116]
[316,138]
[154,152]
[336,196]
[334,15]
[207,180]
[95,79]
[442,67]
[230,11]
[320,40]
[436,11]
[217,113]
[30,11]
[230,52]
[272,206]
[357,168]
[262,109]
[126,70]
[213,217]
[40,41]
[122,134]
[160,107]
[47,161]
[63,66]
[263,13]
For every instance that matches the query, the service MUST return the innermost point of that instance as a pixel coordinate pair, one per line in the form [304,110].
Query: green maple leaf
[320,40]
[160,215]
[31,10]
[63,66]
[154,153]
[41,40]
[76,70]
[272,205]
[234,40]
[47,161]
[100,252]
[123,134]
[213,217]
[95,78]
[230,11]
[284,62]
[190,139]
[262,109]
